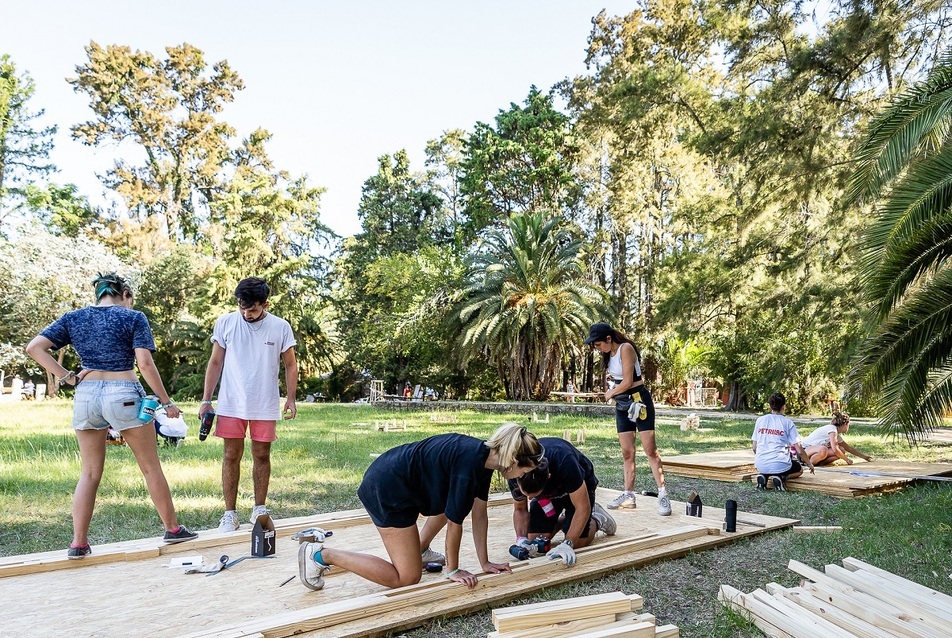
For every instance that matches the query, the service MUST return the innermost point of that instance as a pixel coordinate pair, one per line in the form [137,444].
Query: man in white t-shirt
[774,435]
[248,347]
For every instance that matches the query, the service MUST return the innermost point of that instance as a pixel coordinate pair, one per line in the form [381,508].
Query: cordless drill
[519,552]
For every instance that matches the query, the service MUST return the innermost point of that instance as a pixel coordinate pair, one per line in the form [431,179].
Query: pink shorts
[230,427]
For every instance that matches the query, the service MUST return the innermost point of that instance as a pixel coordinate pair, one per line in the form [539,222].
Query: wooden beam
[936,597]
[557,611]
[627,629]
[763,616]
[884,590]
[873,611]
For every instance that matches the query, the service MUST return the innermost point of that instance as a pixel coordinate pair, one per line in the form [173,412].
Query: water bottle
[206,426]
[147,408]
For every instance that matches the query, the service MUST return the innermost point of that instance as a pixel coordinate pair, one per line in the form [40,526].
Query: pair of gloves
[564,551]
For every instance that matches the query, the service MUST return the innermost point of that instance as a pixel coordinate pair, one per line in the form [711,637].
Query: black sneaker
[777,483]
[75,553]
[761,482]
[180,535]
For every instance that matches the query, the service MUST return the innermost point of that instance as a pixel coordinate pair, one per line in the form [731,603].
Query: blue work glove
[565,552]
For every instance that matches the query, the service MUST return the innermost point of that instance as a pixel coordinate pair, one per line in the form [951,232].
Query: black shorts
[624,401]
[794,468]
[385,501]
[542,523]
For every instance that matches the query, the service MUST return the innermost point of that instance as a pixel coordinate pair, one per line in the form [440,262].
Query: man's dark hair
[252,290]
[533,482]
[777,401]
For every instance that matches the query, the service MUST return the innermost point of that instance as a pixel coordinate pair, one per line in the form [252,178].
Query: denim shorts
[99,404]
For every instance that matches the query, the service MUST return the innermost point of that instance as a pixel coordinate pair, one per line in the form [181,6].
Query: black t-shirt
[568,469]
[440,474]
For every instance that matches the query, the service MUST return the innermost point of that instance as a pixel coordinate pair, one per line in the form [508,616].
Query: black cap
[598,332]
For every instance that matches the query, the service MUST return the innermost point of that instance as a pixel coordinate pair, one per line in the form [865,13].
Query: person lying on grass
[558,494]
[826,444]
[444,478]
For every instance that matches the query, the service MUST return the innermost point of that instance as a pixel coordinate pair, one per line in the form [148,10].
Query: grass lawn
[318,462]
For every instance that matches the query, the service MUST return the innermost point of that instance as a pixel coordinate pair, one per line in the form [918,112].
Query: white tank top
[615,370]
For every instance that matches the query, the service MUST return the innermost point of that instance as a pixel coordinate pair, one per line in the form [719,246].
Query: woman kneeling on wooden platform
[443,477]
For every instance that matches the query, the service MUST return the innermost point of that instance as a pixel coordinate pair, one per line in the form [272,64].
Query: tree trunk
[738,397]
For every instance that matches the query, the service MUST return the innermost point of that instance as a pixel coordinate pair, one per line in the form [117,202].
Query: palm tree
[526,303]
[905,170]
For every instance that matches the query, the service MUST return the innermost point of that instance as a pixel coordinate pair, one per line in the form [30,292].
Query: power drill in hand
[537,547]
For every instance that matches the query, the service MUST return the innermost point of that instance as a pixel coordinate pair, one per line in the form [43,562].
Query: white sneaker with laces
[257,511]
[430,556]
[664,503]
[625,501]
[605,522]
[229,522]
[311,571]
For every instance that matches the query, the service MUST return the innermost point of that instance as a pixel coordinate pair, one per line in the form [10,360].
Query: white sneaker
[625,501]
[664,503]
[430,556]
[605,522]
[311,571]
[257,511]
[229,522]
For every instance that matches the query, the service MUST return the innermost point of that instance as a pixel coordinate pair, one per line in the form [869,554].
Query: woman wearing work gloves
[623,369]
[110,339]
[563,483]
[443,477]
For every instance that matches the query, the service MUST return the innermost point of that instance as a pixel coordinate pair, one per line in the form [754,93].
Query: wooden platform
[840,480]
[127,588]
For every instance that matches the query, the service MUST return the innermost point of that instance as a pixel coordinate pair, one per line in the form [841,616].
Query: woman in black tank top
[634,412]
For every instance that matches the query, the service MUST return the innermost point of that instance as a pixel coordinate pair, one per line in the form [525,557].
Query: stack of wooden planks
[841,481]
[727,465]
[611,615]
[857,599]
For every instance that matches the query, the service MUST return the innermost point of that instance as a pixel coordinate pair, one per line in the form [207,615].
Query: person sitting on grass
[444,478]
[111,339]
[563,483]
[826,444]
[774,435]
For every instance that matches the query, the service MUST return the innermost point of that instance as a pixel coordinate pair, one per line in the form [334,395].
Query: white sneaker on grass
[257,511]
[625,501]
[605,522]
[311,571]
[430,556]
[229,522]
[664,503]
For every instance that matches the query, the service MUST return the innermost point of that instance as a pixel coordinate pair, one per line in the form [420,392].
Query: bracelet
[453,573]
[168,405]
[208,402]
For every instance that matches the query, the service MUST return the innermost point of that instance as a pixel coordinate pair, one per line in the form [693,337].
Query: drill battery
[540,546]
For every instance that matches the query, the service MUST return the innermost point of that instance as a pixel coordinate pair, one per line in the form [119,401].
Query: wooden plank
[873,611]
[565,628]
[554,612]
[821,609]
[667,631]
[817,529]
[937,598]
[765,617]
[795,614]
[628,629]
[884,590]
